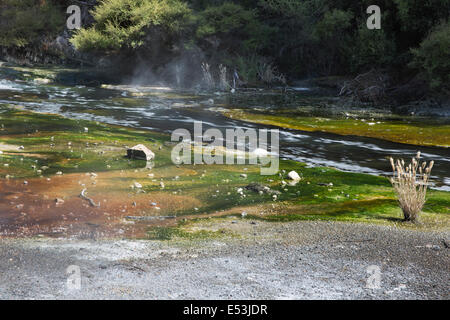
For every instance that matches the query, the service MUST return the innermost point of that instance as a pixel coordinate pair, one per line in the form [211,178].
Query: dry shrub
[223,82]
[367,87]
[269,74]
[207,76]
[410,183]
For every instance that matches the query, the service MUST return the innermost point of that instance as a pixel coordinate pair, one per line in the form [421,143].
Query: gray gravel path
[296,260]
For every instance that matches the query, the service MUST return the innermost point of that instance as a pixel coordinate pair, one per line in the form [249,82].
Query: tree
[236,28]
[123,24]
[433,57]
[24,21]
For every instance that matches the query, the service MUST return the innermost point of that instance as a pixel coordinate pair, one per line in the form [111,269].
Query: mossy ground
[190,191]
[397,129]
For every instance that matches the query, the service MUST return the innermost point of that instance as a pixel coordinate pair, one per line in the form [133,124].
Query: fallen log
[91,202]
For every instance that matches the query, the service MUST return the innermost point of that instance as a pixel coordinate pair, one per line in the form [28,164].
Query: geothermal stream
[165,109]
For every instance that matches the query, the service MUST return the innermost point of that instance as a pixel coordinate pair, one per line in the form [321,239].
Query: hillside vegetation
[309,38]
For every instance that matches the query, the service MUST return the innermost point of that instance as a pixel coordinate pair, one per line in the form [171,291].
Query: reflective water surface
[165,109]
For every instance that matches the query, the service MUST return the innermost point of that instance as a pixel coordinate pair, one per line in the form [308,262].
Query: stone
[256,187]
[41,81]
[140,152]
[294,176]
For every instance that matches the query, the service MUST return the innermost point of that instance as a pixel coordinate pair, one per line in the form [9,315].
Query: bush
[23,21]
[125,23]
[433,57]
[254,70]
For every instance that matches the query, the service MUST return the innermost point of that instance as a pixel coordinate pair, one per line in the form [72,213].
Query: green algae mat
[47,160]
[409,130]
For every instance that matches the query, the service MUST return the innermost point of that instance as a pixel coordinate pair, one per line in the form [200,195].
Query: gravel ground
[296,260]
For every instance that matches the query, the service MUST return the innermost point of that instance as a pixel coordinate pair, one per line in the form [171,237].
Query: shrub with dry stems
[410,183]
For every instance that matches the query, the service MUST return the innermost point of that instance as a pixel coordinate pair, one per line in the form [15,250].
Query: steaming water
[164,109]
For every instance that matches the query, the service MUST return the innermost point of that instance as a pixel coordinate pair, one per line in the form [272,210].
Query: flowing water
[165,109]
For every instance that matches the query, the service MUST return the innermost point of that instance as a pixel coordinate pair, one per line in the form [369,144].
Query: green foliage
[125,23]
[254,70]
[22,21]
[300,38]
[372,49]
[332,33]
[334,24]
[433,56]
[234,25]
[417,17]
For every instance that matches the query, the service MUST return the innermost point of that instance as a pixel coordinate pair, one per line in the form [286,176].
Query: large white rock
[140,152]
[294,176]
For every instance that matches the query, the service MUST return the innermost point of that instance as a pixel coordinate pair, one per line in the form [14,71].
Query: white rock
[294,176]
[137,185]
[260,152]
[140,152]
[41,81]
